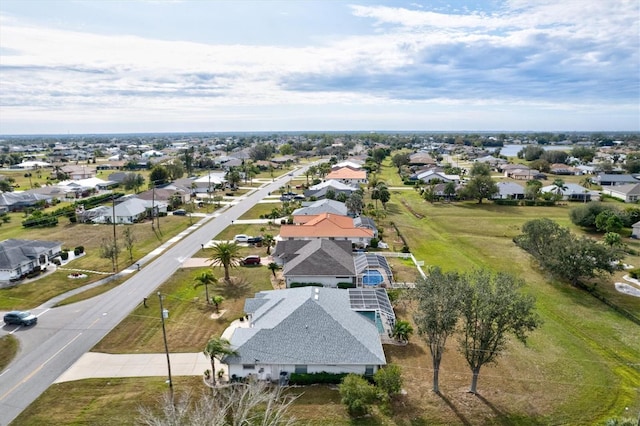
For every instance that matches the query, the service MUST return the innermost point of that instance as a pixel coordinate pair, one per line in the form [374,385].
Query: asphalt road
[64,334]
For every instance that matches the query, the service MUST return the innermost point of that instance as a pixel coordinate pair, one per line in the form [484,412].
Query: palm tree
[217,300]
[402,331]
[587,183]
[273,267]
[217,348]
[559,187]
[205,278]
[268,240]
[226,255]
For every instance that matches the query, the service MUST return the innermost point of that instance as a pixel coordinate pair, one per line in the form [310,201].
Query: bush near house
[323,377]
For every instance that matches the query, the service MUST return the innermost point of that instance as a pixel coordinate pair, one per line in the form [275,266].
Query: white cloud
[543,55]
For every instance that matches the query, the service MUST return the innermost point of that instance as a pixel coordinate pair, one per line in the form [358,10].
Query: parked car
[20,318]
[241,238]
[298,197]
[180,212]
[250,260]
[254,240]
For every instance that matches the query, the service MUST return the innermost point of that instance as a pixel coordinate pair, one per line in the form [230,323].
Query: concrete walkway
[100,365]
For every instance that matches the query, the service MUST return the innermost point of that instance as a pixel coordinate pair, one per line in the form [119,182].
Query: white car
[241,238]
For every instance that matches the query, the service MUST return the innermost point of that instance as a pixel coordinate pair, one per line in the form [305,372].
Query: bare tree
[252,403]
[129,239]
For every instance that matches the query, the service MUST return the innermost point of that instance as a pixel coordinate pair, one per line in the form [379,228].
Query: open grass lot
[99,401]
[31,294]
[580,367]
[189,325]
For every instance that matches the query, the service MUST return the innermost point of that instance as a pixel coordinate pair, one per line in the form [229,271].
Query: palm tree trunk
[213,371]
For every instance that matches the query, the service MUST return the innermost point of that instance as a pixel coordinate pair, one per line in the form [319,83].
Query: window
[248,366]
[301,369]
[368,370]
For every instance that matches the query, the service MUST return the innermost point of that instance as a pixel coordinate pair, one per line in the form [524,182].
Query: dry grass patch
[189,325]
[100,401]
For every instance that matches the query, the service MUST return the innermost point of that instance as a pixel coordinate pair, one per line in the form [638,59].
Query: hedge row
[316,378]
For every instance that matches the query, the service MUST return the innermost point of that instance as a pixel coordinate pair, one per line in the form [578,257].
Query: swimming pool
[372,277]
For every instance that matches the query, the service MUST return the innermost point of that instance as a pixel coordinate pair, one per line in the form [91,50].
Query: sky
[110,66]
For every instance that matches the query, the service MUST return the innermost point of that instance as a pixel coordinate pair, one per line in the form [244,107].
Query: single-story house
[570,192]
[320,261]
[129,209]
[77,172]
[347,163]
[320,190]
[20,257]
[510,190]
[635,233]
[305,330]
[421,159]
[208,183]
[18,201]
[428,176]
[329,226]
[348,176]
[629,193]
[321,206]
[604,179]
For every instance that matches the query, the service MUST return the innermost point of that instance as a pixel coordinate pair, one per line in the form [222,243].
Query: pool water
[372,277]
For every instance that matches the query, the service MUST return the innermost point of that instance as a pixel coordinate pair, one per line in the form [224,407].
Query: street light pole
[164,314]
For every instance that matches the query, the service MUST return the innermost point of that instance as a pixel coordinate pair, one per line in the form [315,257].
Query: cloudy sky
[109,66]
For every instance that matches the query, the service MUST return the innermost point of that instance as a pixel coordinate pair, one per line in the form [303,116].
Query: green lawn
[580,367]
[8,349]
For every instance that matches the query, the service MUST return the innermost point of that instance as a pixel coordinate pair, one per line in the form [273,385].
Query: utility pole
[114,257]
[163,314]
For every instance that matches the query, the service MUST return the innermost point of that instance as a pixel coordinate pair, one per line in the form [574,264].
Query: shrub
[357,394]
[501,202]
[64,255]
[295,285]
[79,249]
[76,252]
[634,273]
[405,249]
[56,261]
[346,285]
[389,380]
[323,377]
[374,243]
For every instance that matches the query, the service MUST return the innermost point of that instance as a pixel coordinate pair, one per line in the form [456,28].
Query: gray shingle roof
[308,325]
[14,252]
[323,206]
[322,257]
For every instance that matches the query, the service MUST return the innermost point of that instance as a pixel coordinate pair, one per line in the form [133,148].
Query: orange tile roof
[347,173]
[326,225]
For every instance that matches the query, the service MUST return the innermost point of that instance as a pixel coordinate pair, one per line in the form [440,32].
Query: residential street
[64,334]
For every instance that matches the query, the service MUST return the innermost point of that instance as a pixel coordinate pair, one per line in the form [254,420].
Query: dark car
[180,212]
[254,240]
[250,260]
[20,318]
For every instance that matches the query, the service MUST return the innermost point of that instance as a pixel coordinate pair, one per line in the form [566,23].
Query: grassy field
[31,294]
[190,323]
[580,367]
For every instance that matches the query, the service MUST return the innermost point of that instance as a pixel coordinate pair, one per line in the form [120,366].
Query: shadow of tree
[457,412]
[234,289]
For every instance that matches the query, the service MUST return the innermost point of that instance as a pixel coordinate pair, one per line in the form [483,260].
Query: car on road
[180,212]
[20,318]
[241,238]
[250,260]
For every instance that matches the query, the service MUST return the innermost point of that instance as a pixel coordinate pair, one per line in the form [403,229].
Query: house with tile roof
[327,225]
[348,176]
[21,257]
[306,330]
